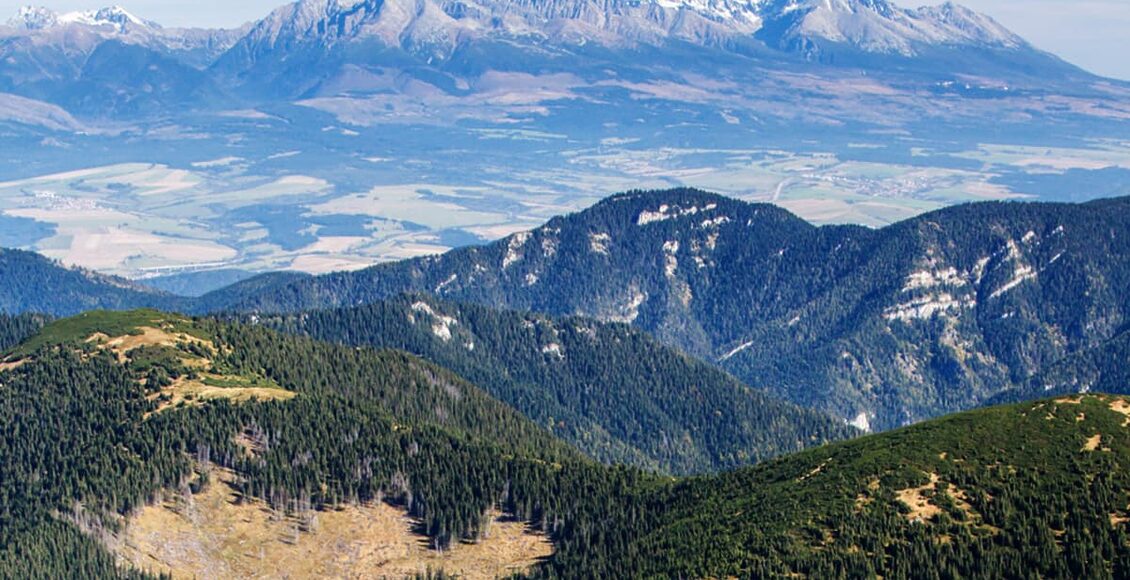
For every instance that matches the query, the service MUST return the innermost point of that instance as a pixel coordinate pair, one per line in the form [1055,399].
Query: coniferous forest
[91,434]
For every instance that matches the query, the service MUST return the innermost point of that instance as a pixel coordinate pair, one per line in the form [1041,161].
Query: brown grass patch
[916,498]
[13,365]
[920,501]
[211,536]
[1121,407]
[147,336]
[1092,443]
[192,392]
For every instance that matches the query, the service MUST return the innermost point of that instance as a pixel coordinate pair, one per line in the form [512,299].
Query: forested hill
[16,329]
[1033,490]
[610,389]
[31,283]
[882,327]
[302,426]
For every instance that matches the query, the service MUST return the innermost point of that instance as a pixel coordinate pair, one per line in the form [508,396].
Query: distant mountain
[350,48]
[79,32]
[887,112]
[882,327]
[109,62]
[327,47]
[31,283]
[195,284]
[1104,368]
[610,390]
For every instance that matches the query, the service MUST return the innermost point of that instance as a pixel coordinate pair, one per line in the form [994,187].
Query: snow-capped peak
[39,18]
[115,16]
[33,18]
[879,26]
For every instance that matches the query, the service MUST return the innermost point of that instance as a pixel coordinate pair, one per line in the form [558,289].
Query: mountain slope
[307,432]
[289,424]
[882,327]
[109,63]
[1033,489]
[1104,368]
[31,283]
[307,48]
[612,391]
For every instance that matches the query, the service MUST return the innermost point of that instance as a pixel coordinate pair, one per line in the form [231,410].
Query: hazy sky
[1094,34]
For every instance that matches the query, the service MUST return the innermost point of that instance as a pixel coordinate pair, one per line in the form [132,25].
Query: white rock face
[598,243]
[441,325]
[735,351]
[514,249]
[861,422]
[1022,274]
[928,279]
[671,260]
[553,349]
[629,310]
[934,290]
[924,307]
[666,212]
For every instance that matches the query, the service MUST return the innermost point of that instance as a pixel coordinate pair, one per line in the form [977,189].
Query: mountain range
[334,135]
[879,327]
[334,48]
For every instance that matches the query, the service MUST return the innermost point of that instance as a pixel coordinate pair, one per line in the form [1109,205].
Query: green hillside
[101,412]
[1032,490]
[609,389]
